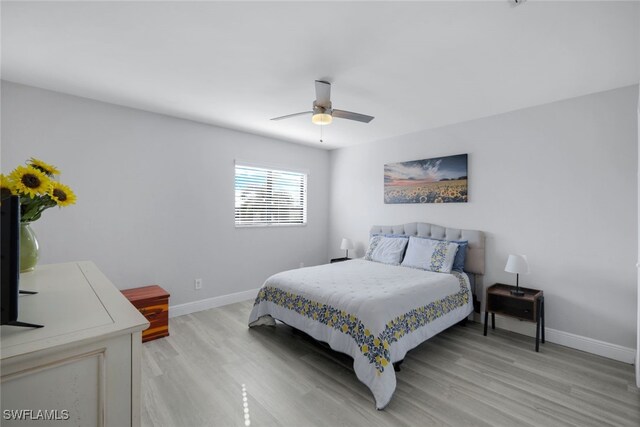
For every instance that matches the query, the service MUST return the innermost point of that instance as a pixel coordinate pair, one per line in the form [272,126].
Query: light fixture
[321,119]
[346,245]
[321,115]
[517,264]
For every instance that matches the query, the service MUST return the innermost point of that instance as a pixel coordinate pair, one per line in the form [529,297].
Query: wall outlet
[198,283]
[301,265]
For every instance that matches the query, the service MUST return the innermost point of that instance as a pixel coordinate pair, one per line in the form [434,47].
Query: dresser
[81,368]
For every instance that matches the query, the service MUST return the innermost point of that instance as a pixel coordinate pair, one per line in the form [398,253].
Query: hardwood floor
[459,378]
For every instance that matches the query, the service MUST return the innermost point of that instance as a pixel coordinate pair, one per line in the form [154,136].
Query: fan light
[321,119]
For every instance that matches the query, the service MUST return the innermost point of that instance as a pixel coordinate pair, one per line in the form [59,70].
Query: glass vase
[29,248]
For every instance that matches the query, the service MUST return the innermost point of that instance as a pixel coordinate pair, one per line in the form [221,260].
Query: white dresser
[86,359]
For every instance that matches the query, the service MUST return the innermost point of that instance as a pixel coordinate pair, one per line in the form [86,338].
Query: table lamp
[346,245]
[517,264]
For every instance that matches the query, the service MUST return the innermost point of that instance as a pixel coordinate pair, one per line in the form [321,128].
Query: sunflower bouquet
[37,187]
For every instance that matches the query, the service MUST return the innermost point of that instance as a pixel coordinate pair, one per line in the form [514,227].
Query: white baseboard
[567,339]
[205,304]
[590,345]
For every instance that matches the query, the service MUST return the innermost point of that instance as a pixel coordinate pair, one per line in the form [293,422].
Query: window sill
[269,225]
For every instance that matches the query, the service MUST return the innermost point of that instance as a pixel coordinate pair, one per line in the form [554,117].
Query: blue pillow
[458,261]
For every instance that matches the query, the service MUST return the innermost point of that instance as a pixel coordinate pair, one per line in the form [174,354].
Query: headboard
[474,262]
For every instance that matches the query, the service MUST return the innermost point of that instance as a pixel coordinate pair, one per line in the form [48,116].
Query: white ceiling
[411,65]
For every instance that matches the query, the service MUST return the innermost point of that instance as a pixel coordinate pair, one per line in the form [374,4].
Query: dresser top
[75,303]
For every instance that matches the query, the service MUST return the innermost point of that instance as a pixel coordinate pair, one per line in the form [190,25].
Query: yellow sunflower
[7,187]
[30,181]
[46,168]
[62,194]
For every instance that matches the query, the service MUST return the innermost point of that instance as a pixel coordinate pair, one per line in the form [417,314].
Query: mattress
[373,312]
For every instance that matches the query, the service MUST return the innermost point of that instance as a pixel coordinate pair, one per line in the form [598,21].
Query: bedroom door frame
[638,263]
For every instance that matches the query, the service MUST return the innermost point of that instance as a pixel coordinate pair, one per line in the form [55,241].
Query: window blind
[267,196]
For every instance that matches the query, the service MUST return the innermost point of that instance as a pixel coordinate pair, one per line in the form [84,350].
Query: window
[266,197]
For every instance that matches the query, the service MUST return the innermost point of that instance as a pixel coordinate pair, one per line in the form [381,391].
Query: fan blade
[292,115]
[323,94]
[352,116]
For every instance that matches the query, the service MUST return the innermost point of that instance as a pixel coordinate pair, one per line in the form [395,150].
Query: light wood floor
[459,378]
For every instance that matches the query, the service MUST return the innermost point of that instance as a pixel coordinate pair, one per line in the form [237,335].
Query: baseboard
[205,304]
[590,345]
[567,339]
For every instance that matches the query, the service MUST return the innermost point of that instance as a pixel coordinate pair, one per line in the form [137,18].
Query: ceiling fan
[322,112]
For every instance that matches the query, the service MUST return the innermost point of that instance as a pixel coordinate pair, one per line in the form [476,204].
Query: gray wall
[156,194]
[556,182]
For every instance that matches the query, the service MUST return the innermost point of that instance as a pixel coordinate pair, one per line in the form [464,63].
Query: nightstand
[153,303]
[529,307]
[339,260]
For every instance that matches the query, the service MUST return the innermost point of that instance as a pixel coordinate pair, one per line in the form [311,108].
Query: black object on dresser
[340,259]
[529,307]
[10,255]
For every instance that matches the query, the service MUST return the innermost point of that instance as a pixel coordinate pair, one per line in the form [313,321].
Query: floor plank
[459,378]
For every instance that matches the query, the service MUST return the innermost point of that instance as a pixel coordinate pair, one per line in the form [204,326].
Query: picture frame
[435,180]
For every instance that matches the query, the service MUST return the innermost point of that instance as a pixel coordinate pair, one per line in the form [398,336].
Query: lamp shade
[346,244]
[517,264]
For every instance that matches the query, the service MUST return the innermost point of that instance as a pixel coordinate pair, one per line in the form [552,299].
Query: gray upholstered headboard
[474,262]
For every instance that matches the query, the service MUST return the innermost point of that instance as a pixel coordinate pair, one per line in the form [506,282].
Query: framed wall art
[437,180]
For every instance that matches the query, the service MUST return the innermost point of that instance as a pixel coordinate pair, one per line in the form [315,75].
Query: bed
[371,311]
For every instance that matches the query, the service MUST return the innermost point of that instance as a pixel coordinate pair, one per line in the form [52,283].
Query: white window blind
[267,196]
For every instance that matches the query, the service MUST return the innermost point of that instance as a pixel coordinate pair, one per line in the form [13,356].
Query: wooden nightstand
[339,260]
[153,303]
[529,307]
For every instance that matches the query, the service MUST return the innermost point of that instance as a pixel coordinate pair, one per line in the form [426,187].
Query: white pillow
[387,250]
[429,254]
